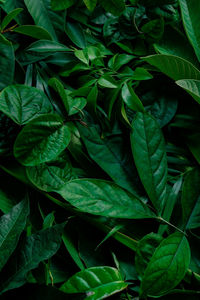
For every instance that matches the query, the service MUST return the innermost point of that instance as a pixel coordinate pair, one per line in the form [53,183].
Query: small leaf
[96,282]
[108,82]
[24,103]
[34,31]
[167,266]
[131,99]
[42,140]
[11,227]
[10,16]
[59,88]
[104,198]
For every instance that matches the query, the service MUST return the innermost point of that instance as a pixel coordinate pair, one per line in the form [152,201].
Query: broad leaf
[61,4]
[104,198]
[11,227]
[34,31]
[190,15]
[116,7]
[24,103]
[173,66]
[191,86]
[149,153]
[131,99]
[96,282]
[167,266]
[191,200]
[37,247]
[7,58]
[76,34]
[42,140]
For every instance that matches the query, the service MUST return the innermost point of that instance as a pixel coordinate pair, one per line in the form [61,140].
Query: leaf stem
[168,223]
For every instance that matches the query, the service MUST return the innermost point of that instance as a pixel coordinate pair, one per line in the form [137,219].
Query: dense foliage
[100,149]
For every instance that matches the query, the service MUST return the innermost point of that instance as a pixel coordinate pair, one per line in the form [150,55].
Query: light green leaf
[108,82]
[61,4]
[96,282]
[131,99]
[24,103]
[173,66]
[190,15]
[104,198]
[115,7]
[167,266]
[42,140]
[90,4]
[10,16]
[191,200]
[7,58]
[34,31]
[11,227]
[148,147]
[37,247]
[191,86]
[40,15]
[76,34]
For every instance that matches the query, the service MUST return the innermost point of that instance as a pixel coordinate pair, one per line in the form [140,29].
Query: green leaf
[40,15]
[190,16]
[131,99]
[115,7]
[10,16]
[193,143]
[141,74]
[34,31]
[148,147]
[104,198]
[108,82]
[42,140]
[173,66]
[167,266]
[59,88]
[191,86]
[61,4]
[191,200]
[76,34]
[24,103]
[44,46]
[119,60]
[96,282]
[90,4]
[37,247]
[11,227]
[7,58]
[51,176]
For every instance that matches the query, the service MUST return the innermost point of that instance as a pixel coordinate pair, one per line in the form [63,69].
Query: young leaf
[191,200]
[167,266]
[190,14]
[90,4]
[11,227]
[38,247]
[173,66]
[131,99]
[42,140]
[24,103]
[10,16]
[96,282]
[7,58]
[34,31]
[149,153]
[104,198]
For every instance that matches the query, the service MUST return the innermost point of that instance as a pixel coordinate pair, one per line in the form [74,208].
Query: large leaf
[11,227]
[34,31]
[149,153]
[191,200]
[7,58]
[116,7]
[104,198]
[96,282]
[167,266]
[190,15]
[42,140]
[173,66]
[40,15]
[24,103]
[37,247]
[191,86]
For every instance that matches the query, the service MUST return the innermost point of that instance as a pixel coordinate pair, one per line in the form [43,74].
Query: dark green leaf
[61,4]
[7,58]
[76,34]
[116,7]
[131,99]
[90,4]
[34,31]
[10,16]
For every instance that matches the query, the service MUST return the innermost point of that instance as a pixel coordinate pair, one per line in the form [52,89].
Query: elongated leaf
[192,87]
[24,103]
[173,66]
[190,15]
[76,34]
[34,31]
[167,266]
[116,7]
[191,200]
[131,99]
[38,247]
[42,140]
[90,4]
[149,153]
[96,282]
[104,198]
[108,82]
[10,16]
[7,58]
[11,227]
[44,46]
[61,4]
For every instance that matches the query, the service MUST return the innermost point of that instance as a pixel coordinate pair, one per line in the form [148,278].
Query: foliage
[99,149]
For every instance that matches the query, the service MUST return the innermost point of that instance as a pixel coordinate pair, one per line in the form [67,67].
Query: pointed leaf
[7,58]
[131,99]
[191,86]
[34,31]
[44,46]
[91,4]
[76,34]
[10,16]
